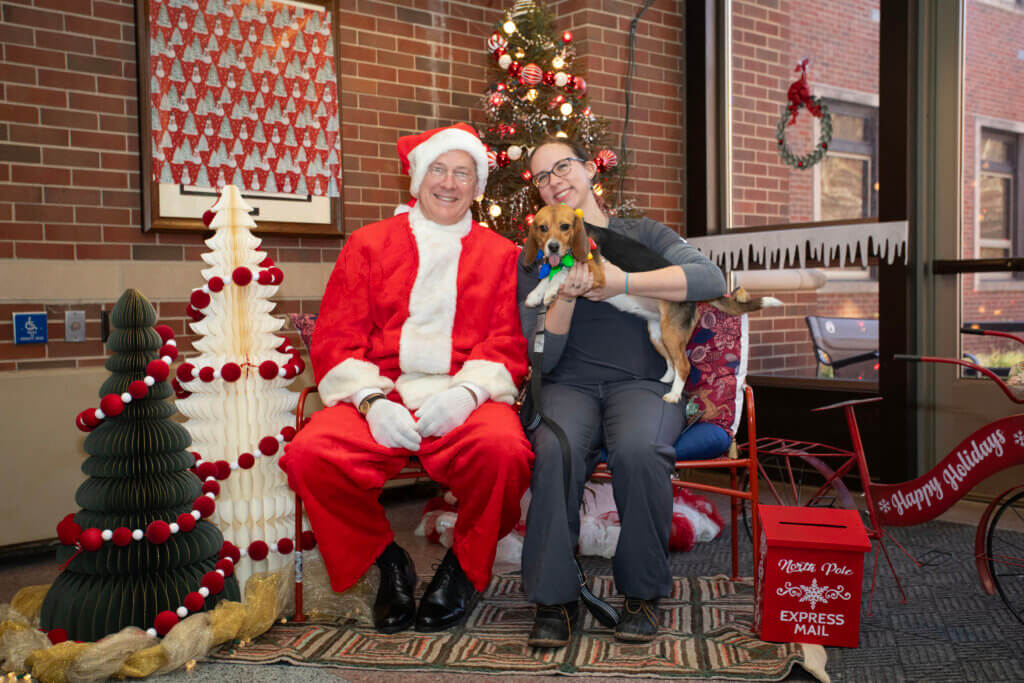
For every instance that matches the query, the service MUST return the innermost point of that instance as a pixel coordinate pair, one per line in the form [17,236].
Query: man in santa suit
[418,351]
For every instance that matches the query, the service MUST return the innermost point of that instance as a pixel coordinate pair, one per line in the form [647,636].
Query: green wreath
[803,162]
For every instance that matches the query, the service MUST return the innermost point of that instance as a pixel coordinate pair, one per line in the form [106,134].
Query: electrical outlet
[74,326]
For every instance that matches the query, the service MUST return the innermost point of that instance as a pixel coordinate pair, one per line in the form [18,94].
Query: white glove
[443,412]
[392,425]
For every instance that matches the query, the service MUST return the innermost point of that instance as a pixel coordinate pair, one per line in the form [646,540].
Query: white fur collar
[421,223]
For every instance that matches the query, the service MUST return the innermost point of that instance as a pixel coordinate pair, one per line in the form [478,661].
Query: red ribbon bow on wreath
[799,94]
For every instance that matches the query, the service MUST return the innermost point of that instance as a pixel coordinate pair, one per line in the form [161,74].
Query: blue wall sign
[29,328]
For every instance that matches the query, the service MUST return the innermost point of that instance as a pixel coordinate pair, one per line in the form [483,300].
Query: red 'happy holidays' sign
[992,448]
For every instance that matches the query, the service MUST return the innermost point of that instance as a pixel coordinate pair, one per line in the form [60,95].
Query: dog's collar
[546,270]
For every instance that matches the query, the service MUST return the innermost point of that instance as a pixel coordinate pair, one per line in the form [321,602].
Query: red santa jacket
[420,307]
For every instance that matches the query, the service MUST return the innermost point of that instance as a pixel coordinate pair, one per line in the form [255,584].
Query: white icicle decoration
[228,419]
[842,242]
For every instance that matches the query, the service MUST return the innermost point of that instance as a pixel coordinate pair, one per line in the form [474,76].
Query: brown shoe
[639,621]
[554,624]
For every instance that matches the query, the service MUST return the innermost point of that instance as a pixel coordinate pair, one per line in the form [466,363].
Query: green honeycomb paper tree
[138,480]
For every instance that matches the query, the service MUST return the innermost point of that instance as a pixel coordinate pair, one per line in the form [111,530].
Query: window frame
[1012,169]
[853,150]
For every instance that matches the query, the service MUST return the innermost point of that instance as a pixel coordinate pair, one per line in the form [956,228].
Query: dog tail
[740,302]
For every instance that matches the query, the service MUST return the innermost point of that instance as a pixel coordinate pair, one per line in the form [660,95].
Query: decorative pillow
[718,365]
[304,323]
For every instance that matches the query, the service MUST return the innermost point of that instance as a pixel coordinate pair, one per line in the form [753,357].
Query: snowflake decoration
[883,505]
[1018,438]
[813,593]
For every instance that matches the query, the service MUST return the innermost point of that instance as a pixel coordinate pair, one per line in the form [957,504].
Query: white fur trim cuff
[424,154]
[492,377]
[348,377]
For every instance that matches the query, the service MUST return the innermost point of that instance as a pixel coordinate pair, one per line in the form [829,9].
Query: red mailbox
[809,575]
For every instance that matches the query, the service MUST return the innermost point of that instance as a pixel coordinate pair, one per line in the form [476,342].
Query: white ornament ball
[561,78]
[514,152]
[137,534]
[504,61]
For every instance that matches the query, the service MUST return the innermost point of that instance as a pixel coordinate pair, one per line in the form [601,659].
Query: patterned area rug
[704,635]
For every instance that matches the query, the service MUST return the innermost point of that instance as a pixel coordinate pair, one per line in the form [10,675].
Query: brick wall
[69,146]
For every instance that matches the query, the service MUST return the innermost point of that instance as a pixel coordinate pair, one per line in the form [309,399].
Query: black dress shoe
[449,598]
[554,624]
[395,607]
[639,621]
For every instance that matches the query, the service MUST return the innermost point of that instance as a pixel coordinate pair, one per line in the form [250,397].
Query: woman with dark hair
[601,383]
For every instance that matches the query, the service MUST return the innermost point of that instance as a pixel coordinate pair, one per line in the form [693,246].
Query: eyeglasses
[462,177]
[560,169]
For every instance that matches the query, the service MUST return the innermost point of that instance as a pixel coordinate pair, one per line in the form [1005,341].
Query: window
[999,195]
[848,178]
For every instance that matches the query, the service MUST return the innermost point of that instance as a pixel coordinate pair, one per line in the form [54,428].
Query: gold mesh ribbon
[29,601]
[51,664]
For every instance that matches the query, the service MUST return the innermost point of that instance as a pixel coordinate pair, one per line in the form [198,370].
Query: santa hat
[417,152]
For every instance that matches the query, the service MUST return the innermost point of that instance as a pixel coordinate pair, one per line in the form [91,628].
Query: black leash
[605,614]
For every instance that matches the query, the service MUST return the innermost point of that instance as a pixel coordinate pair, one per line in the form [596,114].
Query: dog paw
[669,375]
[533,300]
[672,397]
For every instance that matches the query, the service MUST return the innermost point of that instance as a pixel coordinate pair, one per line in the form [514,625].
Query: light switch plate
[74,326]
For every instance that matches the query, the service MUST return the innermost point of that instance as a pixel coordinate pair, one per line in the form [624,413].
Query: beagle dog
[558,239]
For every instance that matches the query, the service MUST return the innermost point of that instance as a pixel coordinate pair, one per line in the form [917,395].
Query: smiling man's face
[444,199]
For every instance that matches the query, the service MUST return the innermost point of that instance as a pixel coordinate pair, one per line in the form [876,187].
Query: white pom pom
[196,515]
[204,591]
[234,466]
[242,552]
[195,373]
[280,438]
[151,632]
[174,527]
[211,478]
[100,414]
[126,397]
[138,534]
[206,289]
[211,495]
[220,571]
[182,612]
[281,372]
[166,359]
[171,342]
[149,381]
[216,374]
[106,534]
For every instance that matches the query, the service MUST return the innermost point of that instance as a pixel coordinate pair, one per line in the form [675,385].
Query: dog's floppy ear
[580,242]
[530,249]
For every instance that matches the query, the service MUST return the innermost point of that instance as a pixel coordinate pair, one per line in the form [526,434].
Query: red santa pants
[339,470]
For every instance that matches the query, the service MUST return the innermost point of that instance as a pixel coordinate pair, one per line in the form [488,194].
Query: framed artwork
[241,92]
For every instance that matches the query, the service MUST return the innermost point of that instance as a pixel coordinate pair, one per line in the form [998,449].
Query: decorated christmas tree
[234,393]
[538,93]
[138,552]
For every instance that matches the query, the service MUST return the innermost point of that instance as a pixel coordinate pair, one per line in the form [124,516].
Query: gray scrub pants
[637,429]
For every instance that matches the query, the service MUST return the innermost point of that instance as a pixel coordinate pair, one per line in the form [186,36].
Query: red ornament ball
[268,369]
[205,505]
[581,88]
[548,78]
[91,539]
[567,37]
[288,433]
[170,351]
[186,522]
[165,332]
[165,621]
[206,469]
[215,284]
[57,635]
[532,74]
[258,550]
[514,69]
[122,536]
[158,531]
[246,461]
[231,372]
[194,602]
[229,549]
[308,540]
[223,469]
[527,176]
[158,370]
[268,445]
[503,159]
[285,546]
[185,372]
[68,530]
[213,581]
[112,405]
[277,274]
[226,566]
[199,299]
[211,487]
[241,276]
[138,389]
